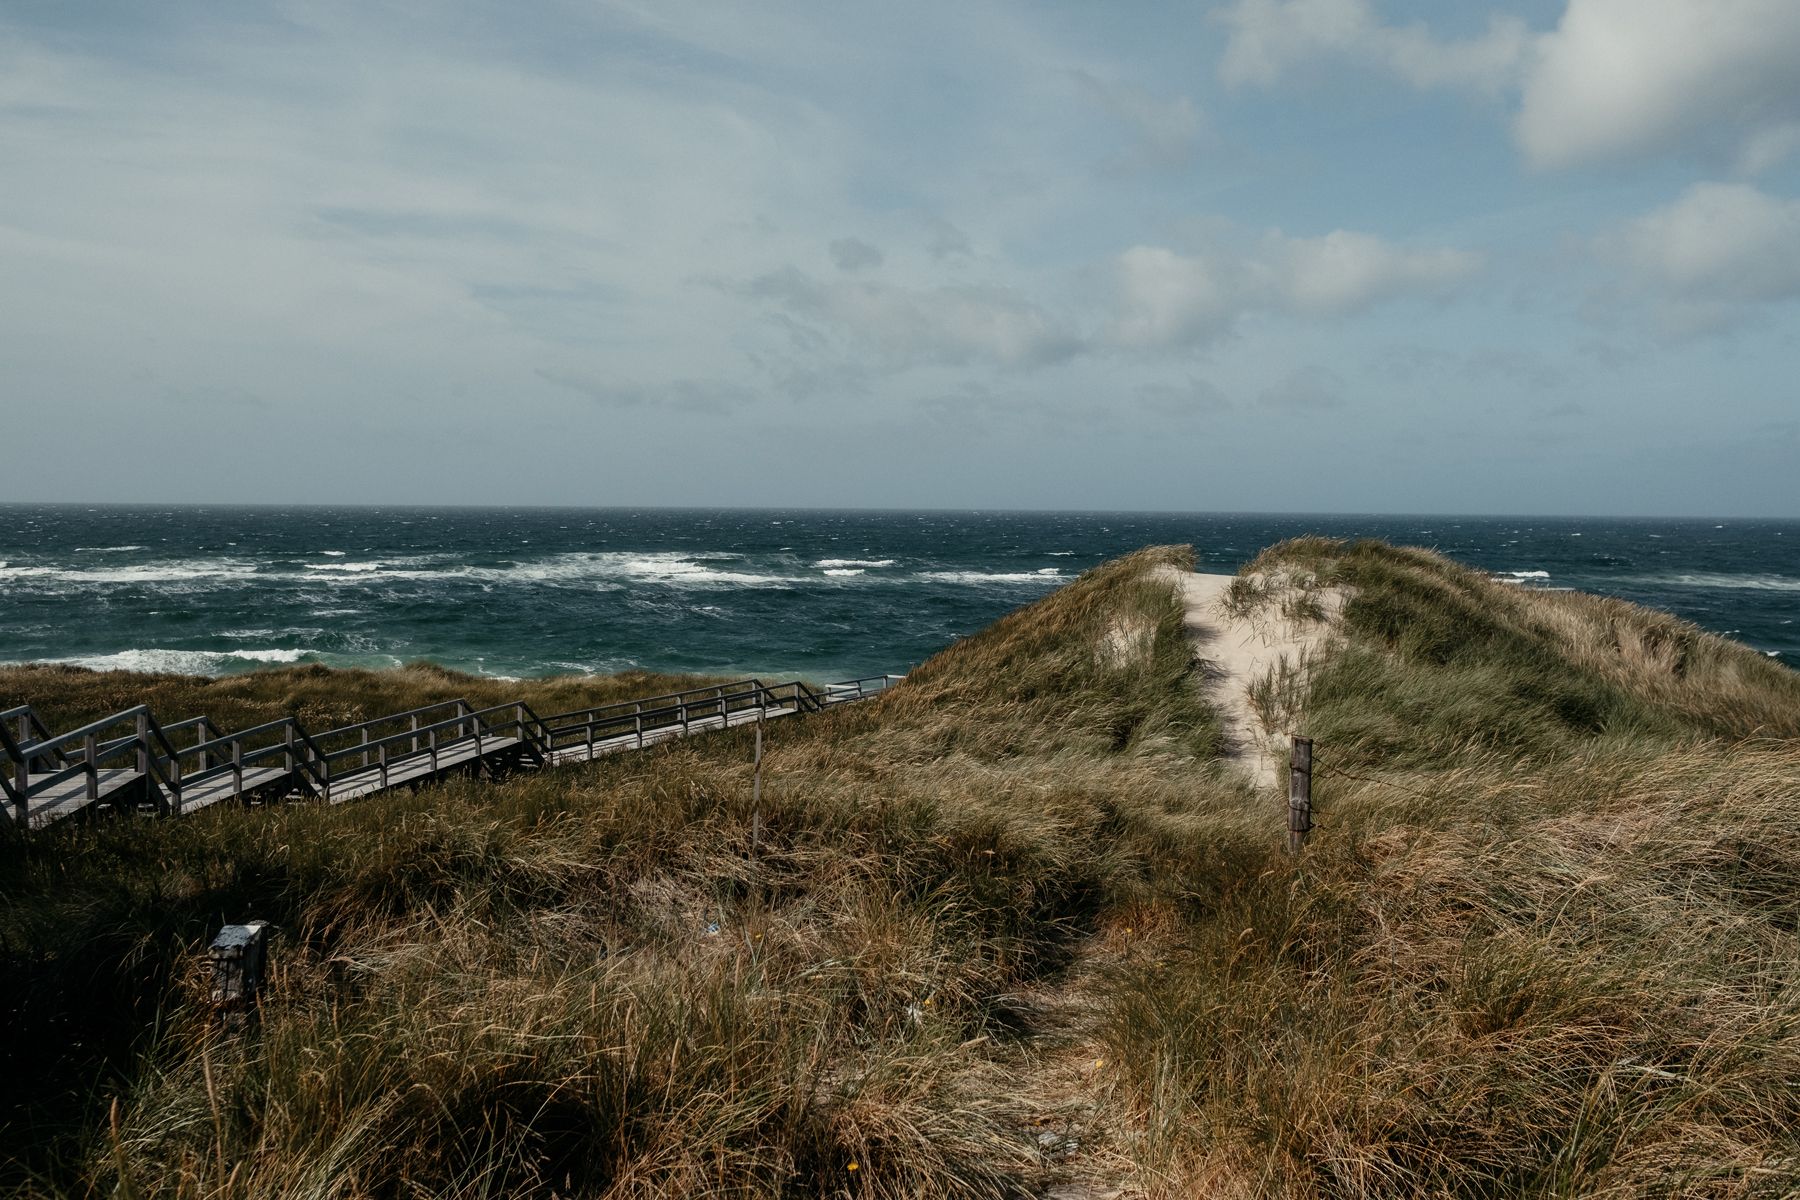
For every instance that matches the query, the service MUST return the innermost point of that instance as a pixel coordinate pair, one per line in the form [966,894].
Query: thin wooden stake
[756,793]
[1299,794]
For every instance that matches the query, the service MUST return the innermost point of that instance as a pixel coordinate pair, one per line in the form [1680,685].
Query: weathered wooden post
[1299,794]
[756,793]
[238,955]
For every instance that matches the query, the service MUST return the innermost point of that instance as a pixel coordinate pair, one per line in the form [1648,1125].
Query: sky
[1259,255]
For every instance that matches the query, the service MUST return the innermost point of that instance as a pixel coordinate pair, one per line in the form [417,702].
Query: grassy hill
[1010,927]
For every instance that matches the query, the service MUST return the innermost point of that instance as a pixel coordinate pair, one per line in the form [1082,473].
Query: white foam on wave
[105,549]
[1757,583]
[840,571]
[174,571]
[357,567]
[828,564]
[181,662]
[334,553]
[1043,576]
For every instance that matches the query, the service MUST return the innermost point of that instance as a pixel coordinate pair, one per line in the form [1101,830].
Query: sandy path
[1235,652]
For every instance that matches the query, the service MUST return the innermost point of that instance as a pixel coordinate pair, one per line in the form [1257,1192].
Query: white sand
[1236,651]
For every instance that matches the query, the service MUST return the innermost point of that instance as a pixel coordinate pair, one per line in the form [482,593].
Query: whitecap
[358,567]
[174,571]
[1758,583]
[334,553]
[845,571]
[181,662]
[988,576]
[853,562]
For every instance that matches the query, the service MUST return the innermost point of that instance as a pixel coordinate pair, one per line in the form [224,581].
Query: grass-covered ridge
[584,981]
[1440,660]
[1009,926]
[1547,938]
[67,697]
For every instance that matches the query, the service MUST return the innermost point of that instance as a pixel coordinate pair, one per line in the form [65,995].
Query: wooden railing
[366,754]
[655,717]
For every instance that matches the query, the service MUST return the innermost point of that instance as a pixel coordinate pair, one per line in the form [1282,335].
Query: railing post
[203,733]
[22,775]
[237,765]
[431,739]
[415,733]
[637,722]
[287,755]
[382,752]
[365,745]
[1299,794]
[90,752]
[143,743]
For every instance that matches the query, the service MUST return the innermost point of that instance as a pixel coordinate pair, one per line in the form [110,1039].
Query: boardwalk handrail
[689,706]
[859,689]
[297,748]
[465,717]
[145,741]
[315,762]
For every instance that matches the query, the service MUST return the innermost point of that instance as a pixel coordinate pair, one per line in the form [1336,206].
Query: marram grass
[1007,928]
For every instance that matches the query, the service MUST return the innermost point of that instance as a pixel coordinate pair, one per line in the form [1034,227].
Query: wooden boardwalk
[128,762]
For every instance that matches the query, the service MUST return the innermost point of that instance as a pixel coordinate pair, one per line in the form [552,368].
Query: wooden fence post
[756,793]
[1299,794]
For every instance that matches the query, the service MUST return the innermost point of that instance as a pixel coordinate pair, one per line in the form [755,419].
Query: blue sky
[1312,255]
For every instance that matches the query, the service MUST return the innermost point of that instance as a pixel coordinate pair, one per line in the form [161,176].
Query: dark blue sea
[823,595]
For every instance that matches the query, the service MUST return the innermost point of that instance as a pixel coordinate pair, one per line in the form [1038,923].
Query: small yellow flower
[1098,1062]
[853,1166]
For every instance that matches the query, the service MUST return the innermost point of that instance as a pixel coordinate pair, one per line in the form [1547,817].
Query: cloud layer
[574,253]
[1613,81]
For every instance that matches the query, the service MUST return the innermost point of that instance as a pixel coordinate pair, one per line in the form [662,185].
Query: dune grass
[1546,940]
[584,981]
[321,697]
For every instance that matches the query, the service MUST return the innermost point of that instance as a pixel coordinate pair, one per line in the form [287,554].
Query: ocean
[820,595]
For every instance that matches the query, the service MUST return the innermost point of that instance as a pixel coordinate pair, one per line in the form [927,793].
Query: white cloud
[1614,80]
[912,325]
[1305,389]
[1269,37]
[1167,298]
[1165,131]
[680,395]
[1622,79]
[1188,398]
[854,254]
[1715,252]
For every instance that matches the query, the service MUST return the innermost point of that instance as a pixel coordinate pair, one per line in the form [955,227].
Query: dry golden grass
[1005,928]
[321,697]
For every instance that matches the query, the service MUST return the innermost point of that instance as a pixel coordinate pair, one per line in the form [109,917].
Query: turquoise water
[818,594]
